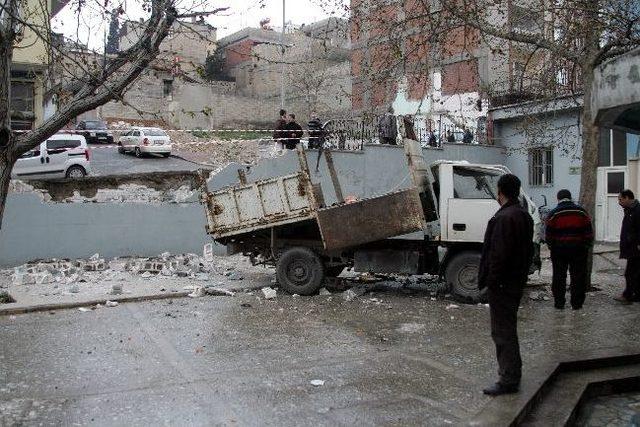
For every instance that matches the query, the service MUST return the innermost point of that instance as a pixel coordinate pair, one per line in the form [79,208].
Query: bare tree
[91,86]
[542,48]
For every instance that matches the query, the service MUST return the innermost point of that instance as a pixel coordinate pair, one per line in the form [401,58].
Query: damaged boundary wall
[134,215]
[149,214]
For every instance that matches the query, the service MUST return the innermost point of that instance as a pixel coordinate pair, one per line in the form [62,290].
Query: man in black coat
[630,246]
[293,133]
[504,266]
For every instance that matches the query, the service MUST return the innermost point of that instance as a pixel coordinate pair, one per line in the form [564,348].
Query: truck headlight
[92,134]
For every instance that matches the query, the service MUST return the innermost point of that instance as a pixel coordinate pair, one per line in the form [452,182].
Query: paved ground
[396,358]
[106,160]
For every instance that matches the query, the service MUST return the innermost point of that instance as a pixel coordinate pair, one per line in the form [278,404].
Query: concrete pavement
[396,358]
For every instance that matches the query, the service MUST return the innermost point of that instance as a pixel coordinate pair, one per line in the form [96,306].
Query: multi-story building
[30,63]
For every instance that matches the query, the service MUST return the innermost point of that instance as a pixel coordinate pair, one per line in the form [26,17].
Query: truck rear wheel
[300,271]
[462,276]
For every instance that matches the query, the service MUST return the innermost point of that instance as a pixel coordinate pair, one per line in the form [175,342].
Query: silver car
[145,140]
[60,156]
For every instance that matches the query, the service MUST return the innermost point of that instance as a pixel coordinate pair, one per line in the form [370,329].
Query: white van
[60,156]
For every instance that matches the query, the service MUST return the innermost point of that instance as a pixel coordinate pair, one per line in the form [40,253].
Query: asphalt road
[389,358]
[106,160]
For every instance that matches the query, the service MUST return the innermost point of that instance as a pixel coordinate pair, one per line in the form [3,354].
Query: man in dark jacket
[569,234]
[316,133]
[293,133]
[504,266]
[630,246]
[388,128]
[279,129]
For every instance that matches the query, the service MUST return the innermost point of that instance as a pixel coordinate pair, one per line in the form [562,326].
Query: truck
[436,226]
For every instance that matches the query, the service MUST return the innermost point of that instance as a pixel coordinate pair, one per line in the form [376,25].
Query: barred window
[541,166]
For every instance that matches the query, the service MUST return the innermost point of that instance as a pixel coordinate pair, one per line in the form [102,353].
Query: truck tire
[300,271]
[461,275]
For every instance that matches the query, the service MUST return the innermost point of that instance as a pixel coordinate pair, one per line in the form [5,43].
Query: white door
[31,164]
[611,180]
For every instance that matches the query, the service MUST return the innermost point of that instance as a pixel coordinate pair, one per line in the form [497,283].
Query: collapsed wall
[135,215]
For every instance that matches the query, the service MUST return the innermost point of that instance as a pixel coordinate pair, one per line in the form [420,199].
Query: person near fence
[467,137]
[432,142]
[450,136]
[630,246]
[569,235]
[293,133]
[279,129]
[316,137]
[507,253]
[388,128]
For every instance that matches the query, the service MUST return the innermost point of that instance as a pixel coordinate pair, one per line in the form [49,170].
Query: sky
[89,26]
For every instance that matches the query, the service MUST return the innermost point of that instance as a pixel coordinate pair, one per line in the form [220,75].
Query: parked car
[142,141]
[94,131]
[60,156]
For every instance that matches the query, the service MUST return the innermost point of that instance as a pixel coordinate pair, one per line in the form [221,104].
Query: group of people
[287,131]
[507,254]
[388,132]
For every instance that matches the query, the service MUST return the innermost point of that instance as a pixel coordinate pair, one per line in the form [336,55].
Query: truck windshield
[95,125]
[475,183]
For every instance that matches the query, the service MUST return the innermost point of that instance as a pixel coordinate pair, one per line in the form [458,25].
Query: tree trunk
[589,172]
[590,141]
[7,158]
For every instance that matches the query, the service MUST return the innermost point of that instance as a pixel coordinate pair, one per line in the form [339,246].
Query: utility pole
[282,71]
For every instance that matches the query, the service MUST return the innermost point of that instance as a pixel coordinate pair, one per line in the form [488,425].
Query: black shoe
[498,388]
[577,307]
[559,306]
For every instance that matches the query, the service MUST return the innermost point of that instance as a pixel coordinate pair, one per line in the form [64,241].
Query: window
[154,132]
[31,153]
[524,19]
[22,95]
[167,88]
[615,182]
[612,148]
[473,183]
[62,144]
[541,166]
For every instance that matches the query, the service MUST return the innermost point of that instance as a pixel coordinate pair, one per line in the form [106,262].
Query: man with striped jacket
[569,235]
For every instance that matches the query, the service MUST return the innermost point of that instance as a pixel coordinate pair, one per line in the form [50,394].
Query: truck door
[471,201]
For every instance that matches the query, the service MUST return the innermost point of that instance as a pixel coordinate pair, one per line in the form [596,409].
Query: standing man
[569,234]
[279,129]
[630,246]
[388,128]
[293,133]
[451,137]
[316,137]
[504,266]
[467,138]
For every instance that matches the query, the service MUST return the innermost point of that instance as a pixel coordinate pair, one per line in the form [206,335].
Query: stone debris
[84,309]
[324,291]
[74,289]
[353,293]
[199,291]
[539,296]
[214,290]
[452,307]
[116,289]
[269,293]
[111,303]
[207,252]
[317,383]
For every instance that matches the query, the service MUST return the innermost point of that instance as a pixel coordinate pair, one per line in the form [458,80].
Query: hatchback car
[141,141]
[60,156]
[95,131]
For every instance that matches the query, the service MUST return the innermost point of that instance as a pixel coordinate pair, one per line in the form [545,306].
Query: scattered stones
[111,303]
[317,383]
[452,307]
[116,289]
[198,292]
[74,289]
[84,309]
[324,291]
[213,290]
[269,293]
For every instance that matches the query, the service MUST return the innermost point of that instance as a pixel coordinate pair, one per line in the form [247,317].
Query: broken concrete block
[44,278]
[269,293]
[111,303]
[317,383]
[95,257]
[198,292]
[146,275]
[214,290]
[324,291]
[349,295]
[207,252]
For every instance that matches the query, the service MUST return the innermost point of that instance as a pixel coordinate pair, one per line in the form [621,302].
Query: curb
[75,304]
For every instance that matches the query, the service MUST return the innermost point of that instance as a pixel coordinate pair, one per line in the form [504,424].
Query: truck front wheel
[462,277]
[300,271]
